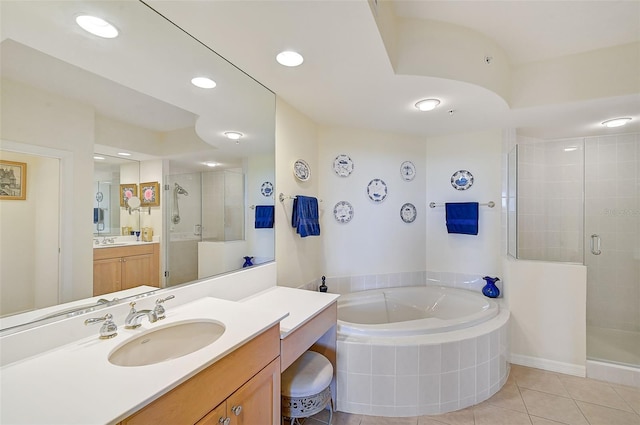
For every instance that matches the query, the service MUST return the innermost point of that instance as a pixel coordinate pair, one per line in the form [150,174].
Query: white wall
[376,240]
[548,307]
[260,169]
[480,154]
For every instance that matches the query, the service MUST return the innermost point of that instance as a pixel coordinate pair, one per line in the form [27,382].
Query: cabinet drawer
[123,251]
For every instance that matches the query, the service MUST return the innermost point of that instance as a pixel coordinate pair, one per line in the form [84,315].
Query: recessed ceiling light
[203,82]
[616,122]
[570,148]
[289,58]
[210,164]
[427,104]
[98,157]
[97,26]
[233,135]
[124,154]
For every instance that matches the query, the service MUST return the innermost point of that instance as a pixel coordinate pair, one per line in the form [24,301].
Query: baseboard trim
[550,365]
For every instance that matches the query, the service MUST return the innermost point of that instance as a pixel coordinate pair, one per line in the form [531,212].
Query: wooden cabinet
[124,267]
[243,386]
[255,403]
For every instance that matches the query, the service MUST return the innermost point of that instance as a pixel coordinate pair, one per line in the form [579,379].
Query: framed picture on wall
[127,190]
[13,180]
[150,194]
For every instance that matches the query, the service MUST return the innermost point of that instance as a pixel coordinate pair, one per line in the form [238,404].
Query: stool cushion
[309,375]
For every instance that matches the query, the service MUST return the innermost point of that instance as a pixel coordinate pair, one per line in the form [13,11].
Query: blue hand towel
[98,215]
[305,217]
[462,217]
[264,216]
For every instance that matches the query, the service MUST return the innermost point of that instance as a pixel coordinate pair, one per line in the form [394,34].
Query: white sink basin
[166,343]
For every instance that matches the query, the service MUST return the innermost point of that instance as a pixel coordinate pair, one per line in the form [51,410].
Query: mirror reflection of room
[92,106]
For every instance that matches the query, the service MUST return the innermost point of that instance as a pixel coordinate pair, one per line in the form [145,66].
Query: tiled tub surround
[422,374]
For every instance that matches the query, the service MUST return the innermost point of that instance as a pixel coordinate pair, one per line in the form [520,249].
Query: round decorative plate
[408,213]
[343,212]
[343,165]
[99,196]
[462,180]
[301,170]
[266,189]
[407,171]
[377,190]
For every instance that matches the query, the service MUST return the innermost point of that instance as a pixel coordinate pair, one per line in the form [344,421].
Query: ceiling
[348,78]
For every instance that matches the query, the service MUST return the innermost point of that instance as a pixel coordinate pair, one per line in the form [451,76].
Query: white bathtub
[413,310]
[412,351]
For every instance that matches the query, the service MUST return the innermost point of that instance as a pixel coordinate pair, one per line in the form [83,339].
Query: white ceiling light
[203,82]
[570,148]
[289,58]
[210,164]
[97,26]
[233,135]
[99,158]
[427,104]
[124,154]
[616,122]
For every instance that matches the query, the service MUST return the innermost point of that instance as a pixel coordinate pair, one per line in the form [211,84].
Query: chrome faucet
[108,329]
[159,310]
[133,319]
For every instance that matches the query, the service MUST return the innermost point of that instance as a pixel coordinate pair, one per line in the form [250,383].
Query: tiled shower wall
[612,197]
[550,200]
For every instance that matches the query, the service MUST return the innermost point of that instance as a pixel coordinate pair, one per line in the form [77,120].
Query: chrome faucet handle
[159,309]
[108,329]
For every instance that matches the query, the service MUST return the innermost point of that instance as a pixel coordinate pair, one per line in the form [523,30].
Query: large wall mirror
[70,98]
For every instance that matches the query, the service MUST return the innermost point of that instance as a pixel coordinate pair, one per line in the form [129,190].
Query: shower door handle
[595,244]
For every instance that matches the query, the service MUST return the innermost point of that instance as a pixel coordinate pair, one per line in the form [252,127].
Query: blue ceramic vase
[490,289]
[247,262]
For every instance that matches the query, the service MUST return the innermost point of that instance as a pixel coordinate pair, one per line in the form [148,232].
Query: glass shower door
[184,222]
[612,248]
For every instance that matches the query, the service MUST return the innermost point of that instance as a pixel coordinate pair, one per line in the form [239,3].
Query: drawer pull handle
[236,410]
[224,421]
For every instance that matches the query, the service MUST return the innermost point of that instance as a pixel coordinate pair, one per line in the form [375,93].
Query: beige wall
[299,259]
[480,154]
[39,119]
[548,315]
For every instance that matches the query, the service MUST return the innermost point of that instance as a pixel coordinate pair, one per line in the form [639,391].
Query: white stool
[306,387]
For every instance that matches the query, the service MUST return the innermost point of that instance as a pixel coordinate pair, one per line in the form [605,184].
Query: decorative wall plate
[99,196]
[377,190]
[462,180]
[408,213]
[343,212]
[407,171]
[343,165]
[301,170]
[266,189]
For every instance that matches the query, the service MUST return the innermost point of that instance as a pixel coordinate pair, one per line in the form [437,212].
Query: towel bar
[489,204]
[282,197]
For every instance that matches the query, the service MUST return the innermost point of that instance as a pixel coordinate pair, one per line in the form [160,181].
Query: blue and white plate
[301,170]
[266,189]
[407,171]
[343,212]
[343,165]
[377,190]
[408,213]
[462,180]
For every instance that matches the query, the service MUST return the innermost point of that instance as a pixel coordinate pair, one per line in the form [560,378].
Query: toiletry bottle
[323,287]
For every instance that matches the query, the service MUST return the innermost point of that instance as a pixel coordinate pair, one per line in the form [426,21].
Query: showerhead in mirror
[179,190]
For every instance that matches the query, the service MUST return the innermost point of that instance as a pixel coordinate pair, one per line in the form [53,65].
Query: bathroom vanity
[235,377]
[125,266]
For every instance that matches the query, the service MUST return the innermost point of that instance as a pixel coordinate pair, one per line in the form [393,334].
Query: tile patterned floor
[530,397]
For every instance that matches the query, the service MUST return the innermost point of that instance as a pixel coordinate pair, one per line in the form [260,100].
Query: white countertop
[76,384]
[302,305]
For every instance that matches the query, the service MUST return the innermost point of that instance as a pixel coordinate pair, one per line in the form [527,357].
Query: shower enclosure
[578,201]
[201,207]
